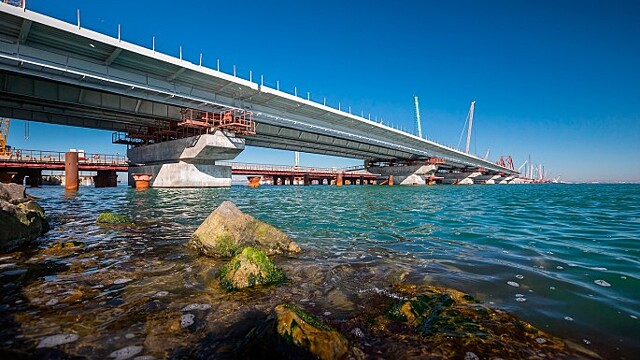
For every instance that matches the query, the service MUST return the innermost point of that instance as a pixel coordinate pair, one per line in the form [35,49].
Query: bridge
[61,73]
[21,164]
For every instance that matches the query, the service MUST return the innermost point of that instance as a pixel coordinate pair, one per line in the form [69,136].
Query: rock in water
[21,219]
[228,230]
[250,268]
[304,330]
[63,248]
[291,333]
[451,325]
[13,193]
[113,219]
[55,340]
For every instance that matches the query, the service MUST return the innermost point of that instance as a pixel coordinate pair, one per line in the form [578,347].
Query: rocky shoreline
[151,306]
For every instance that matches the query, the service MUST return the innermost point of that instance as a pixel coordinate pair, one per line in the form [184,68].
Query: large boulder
[228,230]
[21,219]
[13,193]
[250,268]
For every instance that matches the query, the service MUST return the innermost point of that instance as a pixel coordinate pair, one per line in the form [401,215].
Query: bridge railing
[104,159]
[56,157]
[274,168]
[291,169]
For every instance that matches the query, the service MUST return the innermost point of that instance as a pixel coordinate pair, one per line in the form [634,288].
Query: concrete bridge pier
[405,174]
[486,179]
[505,180]
[187,162]
[460,178]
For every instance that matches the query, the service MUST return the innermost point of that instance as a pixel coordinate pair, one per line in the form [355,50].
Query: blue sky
[559,80]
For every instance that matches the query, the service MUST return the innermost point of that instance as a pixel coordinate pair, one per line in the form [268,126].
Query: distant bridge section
[21,163]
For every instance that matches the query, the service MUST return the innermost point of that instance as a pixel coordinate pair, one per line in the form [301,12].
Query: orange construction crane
[4,134]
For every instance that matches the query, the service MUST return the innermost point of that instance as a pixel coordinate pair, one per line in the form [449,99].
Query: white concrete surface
[405,175]
[184,175]
[188,162]
[203,149]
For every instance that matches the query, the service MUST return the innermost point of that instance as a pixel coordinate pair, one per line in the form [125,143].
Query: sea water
[564,257]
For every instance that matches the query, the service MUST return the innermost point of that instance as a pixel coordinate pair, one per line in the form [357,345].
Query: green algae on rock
[289,332]
[302,329]
[250,268]
[113,219]
[449,324]
[63,248]
[228,230]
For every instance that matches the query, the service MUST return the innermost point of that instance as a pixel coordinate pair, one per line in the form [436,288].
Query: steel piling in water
[142,181]
[71,170]
[254,181]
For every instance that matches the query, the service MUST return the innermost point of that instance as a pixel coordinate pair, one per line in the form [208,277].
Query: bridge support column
[34,177]
[71,179]
[405,175]
[306,180]
[461,178]
[6,177]
[339,180]
[486,179]
[188,162]
[254,181]
[142,181]
[106,178]
[18,178]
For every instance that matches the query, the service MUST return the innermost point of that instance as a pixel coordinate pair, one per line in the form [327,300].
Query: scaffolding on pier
[192,123]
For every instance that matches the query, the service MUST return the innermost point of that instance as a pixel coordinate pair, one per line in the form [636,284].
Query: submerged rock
[228,230]
[451,325]
[304,330]
[113,219]
[292,333]
[250,268]
[55,340]
[126,352]
[21,219]
[63,248]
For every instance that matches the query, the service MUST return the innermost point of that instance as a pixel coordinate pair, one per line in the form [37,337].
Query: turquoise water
[565,258]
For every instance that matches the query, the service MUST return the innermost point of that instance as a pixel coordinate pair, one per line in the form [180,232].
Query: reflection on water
[565,258]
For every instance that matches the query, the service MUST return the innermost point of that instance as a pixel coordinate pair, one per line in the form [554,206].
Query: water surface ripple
[563,257]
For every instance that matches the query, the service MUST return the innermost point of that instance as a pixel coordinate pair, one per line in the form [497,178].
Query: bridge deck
[88,79]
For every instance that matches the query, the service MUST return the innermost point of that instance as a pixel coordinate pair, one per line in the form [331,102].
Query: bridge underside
[35,99]
[59,73]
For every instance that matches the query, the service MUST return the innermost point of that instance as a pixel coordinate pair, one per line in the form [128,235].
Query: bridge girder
[125,84]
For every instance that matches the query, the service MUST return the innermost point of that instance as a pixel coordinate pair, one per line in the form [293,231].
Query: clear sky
[559,80]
